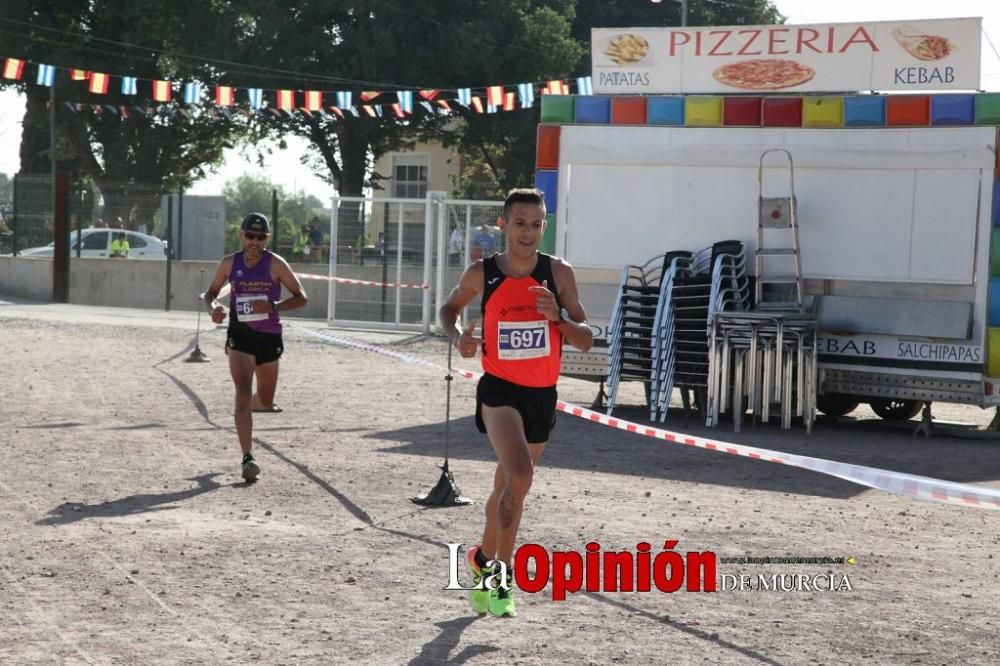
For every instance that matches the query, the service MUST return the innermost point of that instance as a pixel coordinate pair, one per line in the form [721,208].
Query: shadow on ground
[581,445]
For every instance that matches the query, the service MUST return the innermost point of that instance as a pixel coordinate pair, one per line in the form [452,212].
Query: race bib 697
[518,340]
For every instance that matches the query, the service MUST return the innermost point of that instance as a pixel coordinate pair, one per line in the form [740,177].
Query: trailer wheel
[836,404]
[896,410]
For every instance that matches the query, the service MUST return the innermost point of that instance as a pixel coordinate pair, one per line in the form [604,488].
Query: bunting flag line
[46,76]
[13,69]
[394,103]
[98,83]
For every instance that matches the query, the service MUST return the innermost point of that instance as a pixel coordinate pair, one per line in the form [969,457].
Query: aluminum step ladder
[778,290]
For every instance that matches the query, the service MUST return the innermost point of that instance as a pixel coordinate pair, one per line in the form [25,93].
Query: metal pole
[197,355]
[170,247]
[274,219]
[180,224]
[13,238]
[684,13]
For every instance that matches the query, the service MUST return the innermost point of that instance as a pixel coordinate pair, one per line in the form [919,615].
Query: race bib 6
[244,307]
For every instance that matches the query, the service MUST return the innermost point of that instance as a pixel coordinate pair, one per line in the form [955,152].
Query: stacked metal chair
[767,356]
[713,279]
[631,328]
[680,267]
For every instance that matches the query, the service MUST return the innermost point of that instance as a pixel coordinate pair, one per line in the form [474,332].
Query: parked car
[97,243]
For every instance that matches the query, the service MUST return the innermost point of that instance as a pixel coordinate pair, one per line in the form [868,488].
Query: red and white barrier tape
[897,483]
[370,283]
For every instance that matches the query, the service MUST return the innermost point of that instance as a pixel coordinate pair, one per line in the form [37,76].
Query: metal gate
[393,262]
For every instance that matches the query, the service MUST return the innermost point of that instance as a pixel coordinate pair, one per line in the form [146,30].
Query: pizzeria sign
[938,54]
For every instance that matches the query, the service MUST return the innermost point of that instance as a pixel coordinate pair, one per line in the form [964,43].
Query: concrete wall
[26,277]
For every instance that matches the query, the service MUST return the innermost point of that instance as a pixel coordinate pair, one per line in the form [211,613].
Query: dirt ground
[128,537]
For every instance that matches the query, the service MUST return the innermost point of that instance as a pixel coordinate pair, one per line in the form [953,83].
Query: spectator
[301,247]
[483,243]
[363,241]
[455,246]
[315,240]
[119,246]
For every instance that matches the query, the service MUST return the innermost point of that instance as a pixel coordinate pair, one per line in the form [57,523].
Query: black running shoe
[251,470]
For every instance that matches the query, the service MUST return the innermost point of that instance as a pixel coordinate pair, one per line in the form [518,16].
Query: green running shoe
[479,597]
[501,602]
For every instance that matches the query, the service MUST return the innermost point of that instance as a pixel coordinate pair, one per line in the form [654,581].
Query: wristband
[274,306]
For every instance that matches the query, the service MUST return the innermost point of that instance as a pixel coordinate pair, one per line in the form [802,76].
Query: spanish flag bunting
[370,110]
[369,95]
[509,101]
[224,95]
[98,83]
[314,100]
[429,95]
[161,91]
[13,69]
[78,74]
[398,110]
[477,104]
[337,111]
[494,95]
[286,99]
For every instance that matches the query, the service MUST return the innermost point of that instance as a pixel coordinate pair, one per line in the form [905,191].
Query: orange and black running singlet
[520,345]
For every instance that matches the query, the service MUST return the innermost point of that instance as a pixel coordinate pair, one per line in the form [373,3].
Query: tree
[164,146]
[376,45]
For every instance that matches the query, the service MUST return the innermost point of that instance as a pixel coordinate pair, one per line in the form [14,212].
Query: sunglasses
[249,235]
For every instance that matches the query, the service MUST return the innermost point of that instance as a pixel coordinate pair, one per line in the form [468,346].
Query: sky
[285,169]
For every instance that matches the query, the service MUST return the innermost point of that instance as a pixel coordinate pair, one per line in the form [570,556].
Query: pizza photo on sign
[763,74]
[921,45]
[627,49]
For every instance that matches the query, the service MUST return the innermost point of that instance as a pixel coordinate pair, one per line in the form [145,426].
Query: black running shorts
[537,406]
[264,347]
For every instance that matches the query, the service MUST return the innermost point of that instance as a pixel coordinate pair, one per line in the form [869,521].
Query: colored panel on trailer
[988,109]
[908,110]
[703,111]
[994,314]
[665,110]
[996,203]
[995,253]
[628,111]
[864,111]
[782,112]
[548,244]
[548,183]
[741,111]
[557,109]
[953,109]
[593,110]
[993,362]
[823,111]
[547,153]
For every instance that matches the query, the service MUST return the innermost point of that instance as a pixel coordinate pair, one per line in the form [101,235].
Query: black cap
[255,222]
